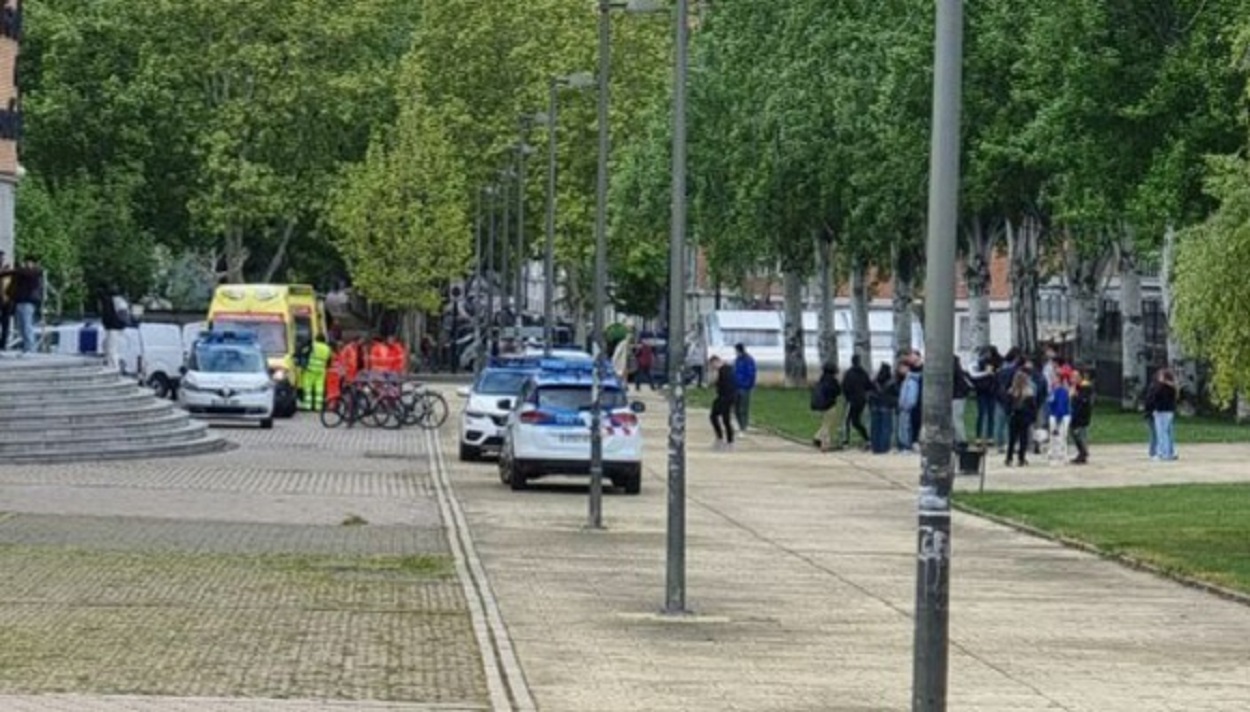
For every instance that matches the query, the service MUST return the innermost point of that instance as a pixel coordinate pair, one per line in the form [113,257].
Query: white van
[154,354]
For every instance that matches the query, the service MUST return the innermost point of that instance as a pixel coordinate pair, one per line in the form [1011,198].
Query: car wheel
[516,476]
[266,424]
[468,453]
[160,385]
[633,482]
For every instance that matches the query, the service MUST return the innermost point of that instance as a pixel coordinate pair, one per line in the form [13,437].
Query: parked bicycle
[385,400]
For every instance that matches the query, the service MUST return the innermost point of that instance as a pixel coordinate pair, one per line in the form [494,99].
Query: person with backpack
[116,317]
[1022,401]
[825,401]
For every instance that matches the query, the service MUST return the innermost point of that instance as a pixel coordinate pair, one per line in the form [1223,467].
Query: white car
[489,400]
[226,377]
[548,432]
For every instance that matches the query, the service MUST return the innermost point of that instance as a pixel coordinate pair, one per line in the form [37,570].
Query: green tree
[400,215]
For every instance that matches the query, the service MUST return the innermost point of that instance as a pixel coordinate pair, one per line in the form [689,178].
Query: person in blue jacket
[908,402]
[744,375]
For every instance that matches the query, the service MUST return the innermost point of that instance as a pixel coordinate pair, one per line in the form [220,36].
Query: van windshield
[270,334]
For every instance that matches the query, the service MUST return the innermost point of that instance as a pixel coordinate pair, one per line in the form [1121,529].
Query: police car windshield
[270,334]
[216,358]
[501,383]
[577,398]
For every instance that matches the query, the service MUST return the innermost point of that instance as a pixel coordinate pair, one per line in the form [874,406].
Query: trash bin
[88,340]
[970,460]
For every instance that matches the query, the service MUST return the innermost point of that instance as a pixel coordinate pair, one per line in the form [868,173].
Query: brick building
[10,117]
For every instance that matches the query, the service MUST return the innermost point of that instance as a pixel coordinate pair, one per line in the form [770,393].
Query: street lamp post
[931,647]
[478,339]
[523,150]
[579,80]
[505,245]
[601,268]
[493,213]
[675,578]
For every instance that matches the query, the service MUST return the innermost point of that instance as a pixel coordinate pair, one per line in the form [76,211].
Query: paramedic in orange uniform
[379,356]
[399,355]
[336,373]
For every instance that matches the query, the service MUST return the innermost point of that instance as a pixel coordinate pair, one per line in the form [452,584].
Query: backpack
[823,397]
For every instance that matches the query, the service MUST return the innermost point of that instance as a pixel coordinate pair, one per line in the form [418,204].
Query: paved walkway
[801,576]
[306,564]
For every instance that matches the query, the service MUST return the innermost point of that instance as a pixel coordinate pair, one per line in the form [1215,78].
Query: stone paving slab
[210,537]
[120,703]
[802,578]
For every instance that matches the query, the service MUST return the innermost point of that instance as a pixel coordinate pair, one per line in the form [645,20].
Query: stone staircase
[66,409]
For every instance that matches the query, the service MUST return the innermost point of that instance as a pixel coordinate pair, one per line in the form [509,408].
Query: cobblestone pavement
[802,578]
[305,563]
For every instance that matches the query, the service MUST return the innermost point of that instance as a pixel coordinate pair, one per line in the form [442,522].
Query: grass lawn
[1200,531]
[787,411]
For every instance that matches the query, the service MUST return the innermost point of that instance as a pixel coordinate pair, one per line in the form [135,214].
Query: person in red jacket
[379,356]
[398,355]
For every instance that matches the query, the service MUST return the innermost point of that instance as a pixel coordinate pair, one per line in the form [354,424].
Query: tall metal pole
[521,259]
[490,272]
[601,269]
[930,662]
[675,580]
[549,260]
[479,339]
[505,243]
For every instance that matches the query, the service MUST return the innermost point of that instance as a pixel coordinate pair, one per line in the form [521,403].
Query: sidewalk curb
[1123,559]
[506,683]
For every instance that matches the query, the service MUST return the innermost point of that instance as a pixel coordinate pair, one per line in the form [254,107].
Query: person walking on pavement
[27,287]
[1082,415]
[723,404]
[744,374]
[313,377]
[1059,416]
[856,386]
[1023,408]
[825,401]
[646,361]
[116,317]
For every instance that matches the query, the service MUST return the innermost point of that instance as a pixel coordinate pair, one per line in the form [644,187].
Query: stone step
[13,376]
[62,393]
[104,440]
[82,405]
[108,412]
[202,446]
[168,421]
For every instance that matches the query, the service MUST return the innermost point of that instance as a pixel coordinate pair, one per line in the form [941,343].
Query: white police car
[548,430]
[489,400]
[226,377]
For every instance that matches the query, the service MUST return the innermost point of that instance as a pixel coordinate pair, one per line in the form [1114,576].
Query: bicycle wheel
[434,411]
[414,407]
[332,412]
[387,412]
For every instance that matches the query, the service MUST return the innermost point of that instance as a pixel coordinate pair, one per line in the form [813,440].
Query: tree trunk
[1185,368]
[795,359]
[236,256]
[827,340]
[1243,408]
[859,311]
[1023,243]
[1085,278]
[904,282]
[1133,337]
[977,276]
[279,256]
[581,334]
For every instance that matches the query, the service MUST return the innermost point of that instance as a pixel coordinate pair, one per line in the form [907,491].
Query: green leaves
[400,215]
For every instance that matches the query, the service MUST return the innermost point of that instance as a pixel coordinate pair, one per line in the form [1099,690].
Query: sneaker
[1023,462]
[718,446]
[1008,462]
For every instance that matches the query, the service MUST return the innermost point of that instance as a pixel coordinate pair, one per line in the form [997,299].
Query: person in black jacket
[856,385]
[115,317]
[723,405]
[825,401]
[884,401]
[1082,415]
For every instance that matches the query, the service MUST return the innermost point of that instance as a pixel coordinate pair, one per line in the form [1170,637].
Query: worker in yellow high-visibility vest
[313,379]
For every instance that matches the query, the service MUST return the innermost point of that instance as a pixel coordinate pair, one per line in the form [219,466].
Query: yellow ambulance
[284,317]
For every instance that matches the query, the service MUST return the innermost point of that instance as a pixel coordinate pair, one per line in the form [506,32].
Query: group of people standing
[21,296]
[336,366]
